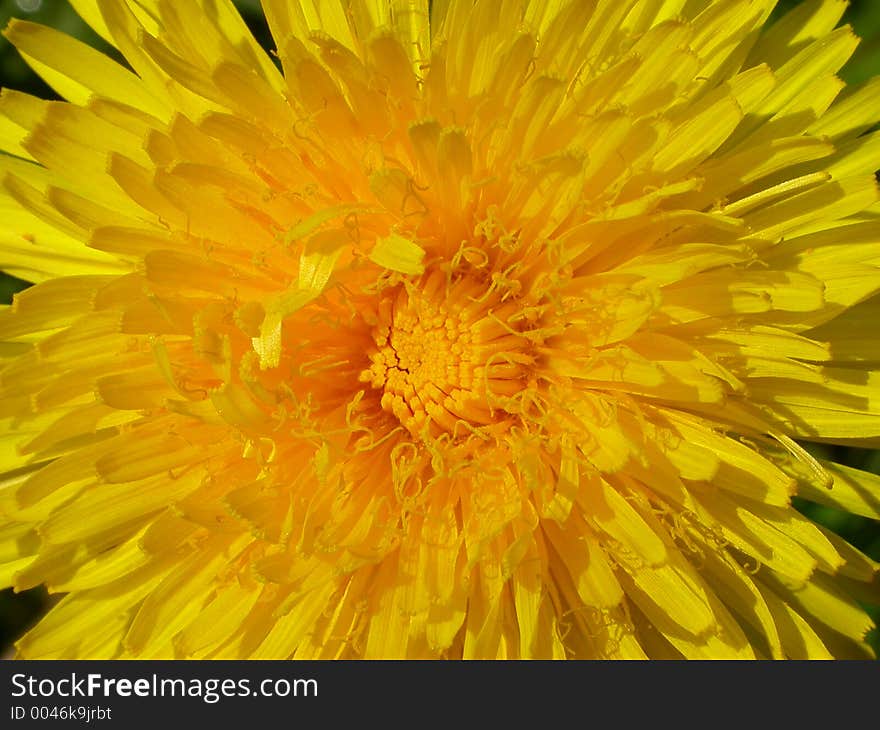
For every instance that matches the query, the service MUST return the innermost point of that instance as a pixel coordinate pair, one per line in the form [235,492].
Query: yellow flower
[489,334]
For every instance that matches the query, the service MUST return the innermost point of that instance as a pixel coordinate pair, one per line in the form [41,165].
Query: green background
[19,611]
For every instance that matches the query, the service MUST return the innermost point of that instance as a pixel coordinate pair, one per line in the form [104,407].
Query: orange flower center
[446,355]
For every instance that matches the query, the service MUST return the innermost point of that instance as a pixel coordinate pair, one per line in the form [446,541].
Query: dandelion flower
[470,329]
